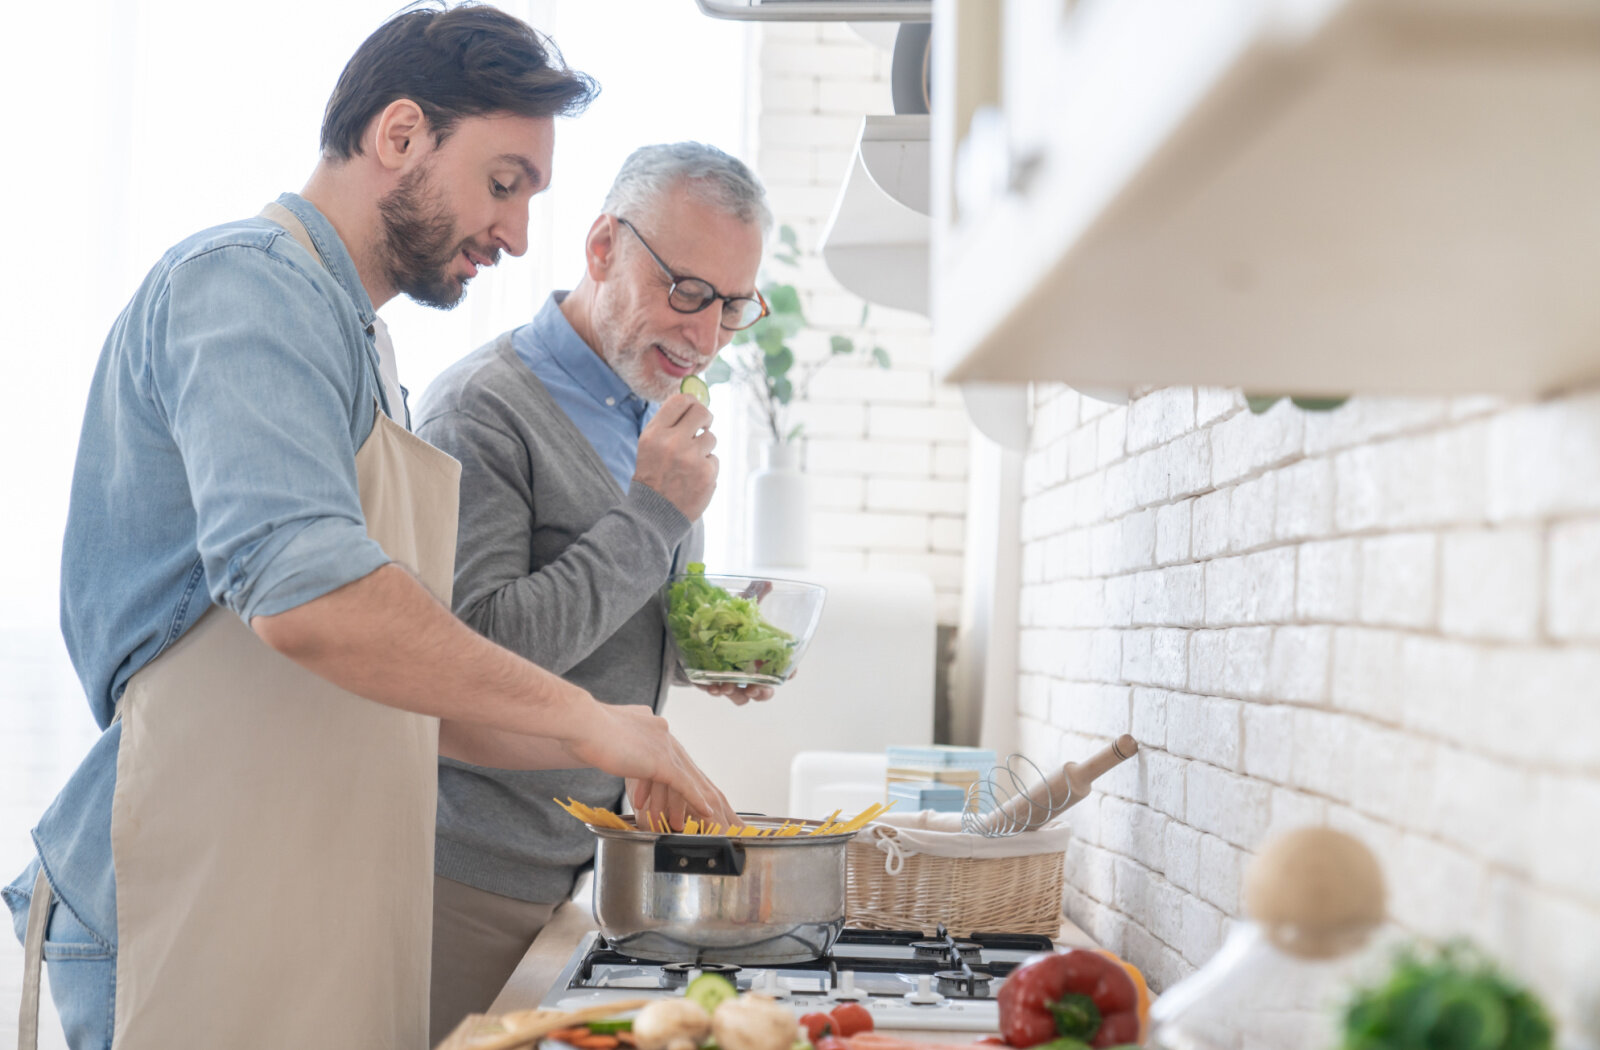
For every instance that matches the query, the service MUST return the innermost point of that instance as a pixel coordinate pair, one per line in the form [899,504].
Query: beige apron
[272,834]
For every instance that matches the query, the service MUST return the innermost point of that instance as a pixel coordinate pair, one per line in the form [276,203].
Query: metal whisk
[1008,801]
[1019,780]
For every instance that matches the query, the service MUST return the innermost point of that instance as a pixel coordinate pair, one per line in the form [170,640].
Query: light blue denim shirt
[594,397]
[216,466]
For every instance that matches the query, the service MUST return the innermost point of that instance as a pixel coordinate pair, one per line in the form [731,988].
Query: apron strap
[39,909]
[277,213]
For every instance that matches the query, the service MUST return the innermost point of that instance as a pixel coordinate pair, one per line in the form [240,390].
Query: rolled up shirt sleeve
[263,391]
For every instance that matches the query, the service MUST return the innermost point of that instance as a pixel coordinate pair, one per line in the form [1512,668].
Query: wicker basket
[915,871]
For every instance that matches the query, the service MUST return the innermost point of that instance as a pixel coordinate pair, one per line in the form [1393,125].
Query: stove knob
[847,987]
[924,995]
[770,986]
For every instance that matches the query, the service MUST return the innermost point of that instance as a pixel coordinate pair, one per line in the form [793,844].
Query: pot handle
[693,855]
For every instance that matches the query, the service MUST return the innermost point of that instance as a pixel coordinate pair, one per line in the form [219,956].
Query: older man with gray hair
[584,475]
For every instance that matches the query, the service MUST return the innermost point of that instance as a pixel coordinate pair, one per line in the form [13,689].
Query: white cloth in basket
[937,834]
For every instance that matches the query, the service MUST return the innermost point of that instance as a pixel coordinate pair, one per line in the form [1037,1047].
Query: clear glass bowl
[744,630]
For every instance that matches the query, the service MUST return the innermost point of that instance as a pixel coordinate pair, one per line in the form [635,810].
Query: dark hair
[453,62]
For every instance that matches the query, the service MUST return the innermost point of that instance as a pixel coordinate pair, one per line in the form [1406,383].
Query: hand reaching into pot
[632,742]
[653,802]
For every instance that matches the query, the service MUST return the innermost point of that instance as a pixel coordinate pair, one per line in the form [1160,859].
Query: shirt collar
[335,256]
[555,337]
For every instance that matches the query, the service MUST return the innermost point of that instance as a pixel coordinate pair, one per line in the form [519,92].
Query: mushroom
[754,1022]
[671,1024]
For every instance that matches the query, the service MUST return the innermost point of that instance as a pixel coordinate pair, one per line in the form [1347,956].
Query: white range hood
[876,243]
[876,246]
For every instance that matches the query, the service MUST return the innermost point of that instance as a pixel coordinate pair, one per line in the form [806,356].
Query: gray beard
[631,367]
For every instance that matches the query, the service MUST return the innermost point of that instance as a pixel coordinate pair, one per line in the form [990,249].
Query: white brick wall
[1385,618]
[886,449]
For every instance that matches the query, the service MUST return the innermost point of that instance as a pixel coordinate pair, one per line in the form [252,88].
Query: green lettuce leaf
[718,631]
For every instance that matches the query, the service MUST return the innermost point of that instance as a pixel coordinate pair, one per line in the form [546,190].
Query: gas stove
[909,980]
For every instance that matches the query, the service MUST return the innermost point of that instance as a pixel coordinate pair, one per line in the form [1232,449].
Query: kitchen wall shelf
[1308,196]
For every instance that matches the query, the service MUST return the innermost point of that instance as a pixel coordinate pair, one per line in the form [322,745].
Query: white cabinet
[1307,196]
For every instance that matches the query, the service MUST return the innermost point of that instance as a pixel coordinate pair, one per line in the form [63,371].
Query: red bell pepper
[1079,994]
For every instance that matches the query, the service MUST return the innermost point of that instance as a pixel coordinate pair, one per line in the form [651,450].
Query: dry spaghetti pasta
[657,822]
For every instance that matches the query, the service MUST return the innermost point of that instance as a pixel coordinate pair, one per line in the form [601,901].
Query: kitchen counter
[553,947]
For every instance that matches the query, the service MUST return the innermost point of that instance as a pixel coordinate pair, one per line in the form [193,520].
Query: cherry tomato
[817,1025]
[850,1018]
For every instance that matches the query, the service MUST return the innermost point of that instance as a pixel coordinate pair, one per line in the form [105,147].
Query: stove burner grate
[911,952]
[965,983]
[946,948]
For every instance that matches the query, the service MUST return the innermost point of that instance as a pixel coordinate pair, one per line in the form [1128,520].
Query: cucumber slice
[609,1027]
[711,990]
[696,388]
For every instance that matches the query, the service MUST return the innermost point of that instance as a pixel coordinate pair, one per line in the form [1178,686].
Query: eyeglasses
[690,295]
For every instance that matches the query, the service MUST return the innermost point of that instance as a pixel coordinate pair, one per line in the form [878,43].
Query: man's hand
[631,742]
[654,802]
[675,455]
[739,694]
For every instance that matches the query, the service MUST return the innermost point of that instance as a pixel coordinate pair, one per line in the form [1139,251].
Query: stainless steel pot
[711,898]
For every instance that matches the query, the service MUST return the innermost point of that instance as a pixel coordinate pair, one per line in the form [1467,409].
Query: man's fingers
[673,409]
[696,417]
[681,410]
[656,804]
[670,783]
[717,806]
[702,795]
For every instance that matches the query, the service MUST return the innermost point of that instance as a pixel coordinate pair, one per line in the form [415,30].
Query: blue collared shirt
[594,397]
[216,466]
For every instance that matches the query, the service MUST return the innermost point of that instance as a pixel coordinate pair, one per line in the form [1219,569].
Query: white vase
[778,510]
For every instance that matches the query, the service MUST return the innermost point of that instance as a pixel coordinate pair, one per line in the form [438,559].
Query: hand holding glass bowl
[739,630]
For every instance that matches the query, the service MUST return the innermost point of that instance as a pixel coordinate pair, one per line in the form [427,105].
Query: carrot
[596,1042]
[883,1041]
[570,1035]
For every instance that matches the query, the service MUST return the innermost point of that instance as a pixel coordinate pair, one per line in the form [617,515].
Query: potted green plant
[1260,403]
[762,362]
[1453,997]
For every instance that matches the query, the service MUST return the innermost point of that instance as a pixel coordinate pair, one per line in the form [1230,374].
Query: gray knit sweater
[554,562]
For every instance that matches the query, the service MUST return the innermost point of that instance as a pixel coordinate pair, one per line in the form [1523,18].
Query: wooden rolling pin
[1058,792]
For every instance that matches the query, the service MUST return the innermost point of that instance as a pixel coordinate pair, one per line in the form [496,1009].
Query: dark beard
[421,239]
